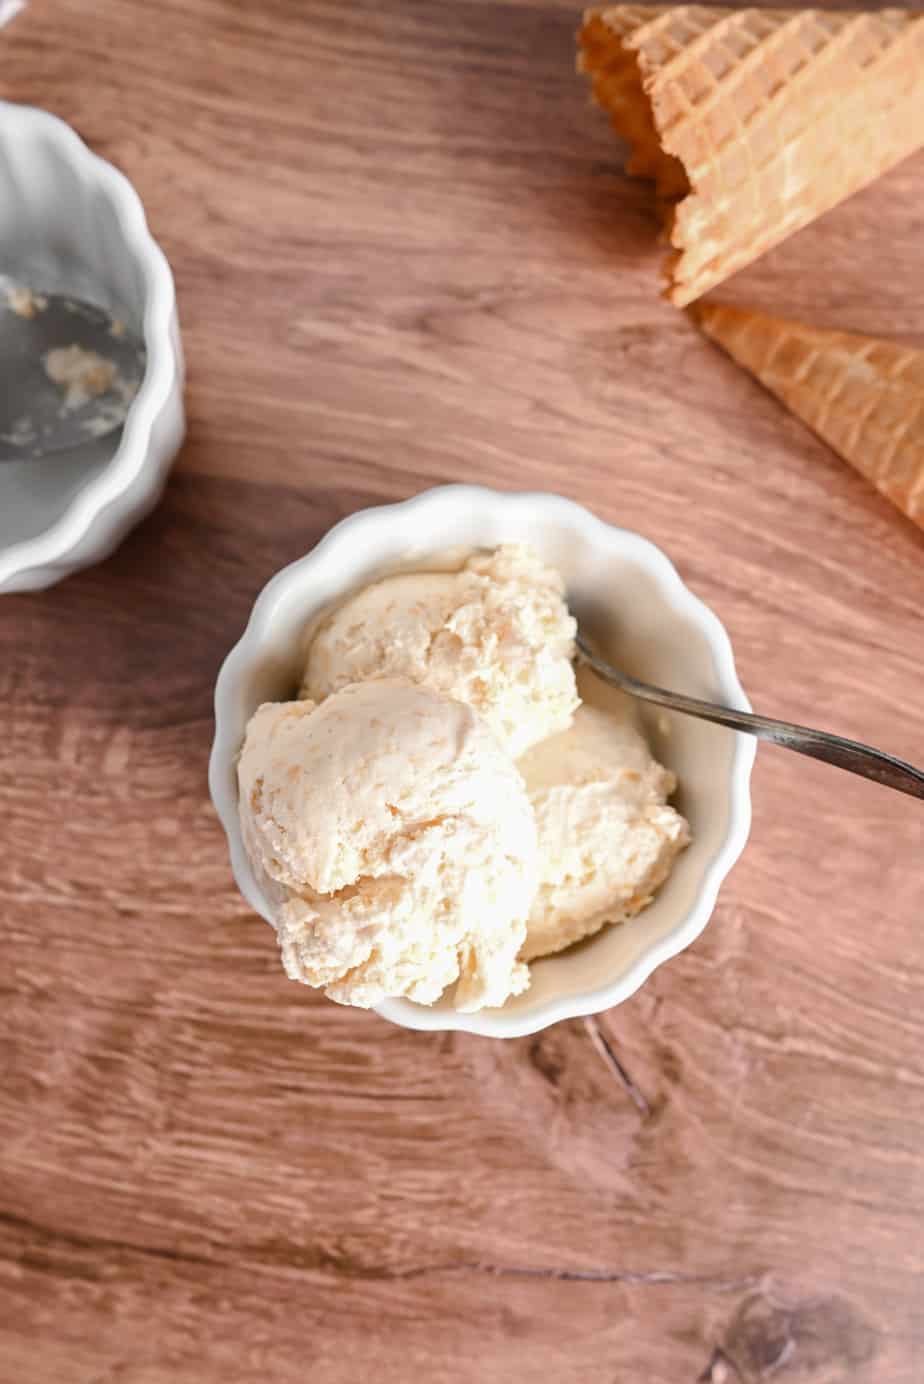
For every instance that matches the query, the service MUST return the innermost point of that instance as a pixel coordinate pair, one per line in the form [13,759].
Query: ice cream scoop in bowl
[637,611]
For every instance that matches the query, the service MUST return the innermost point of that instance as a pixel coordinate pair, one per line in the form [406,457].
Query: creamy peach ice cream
[607,836]
[495,634]
[441,807]
[396,842]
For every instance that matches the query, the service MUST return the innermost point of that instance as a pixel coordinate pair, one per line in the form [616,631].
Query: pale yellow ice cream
[607,838]
[392,829]
[396,841]
[496,635]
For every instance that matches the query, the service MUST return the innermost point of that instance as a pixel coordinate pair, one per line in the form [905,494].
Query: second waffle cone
[864,396]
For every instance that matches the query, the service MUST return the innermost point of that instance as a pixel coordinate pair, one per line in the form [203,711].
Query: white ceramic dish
[631,600]
[69,222]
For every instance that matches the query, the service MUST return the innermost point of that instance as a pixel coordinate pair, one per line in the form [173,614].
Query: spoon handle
[817,744]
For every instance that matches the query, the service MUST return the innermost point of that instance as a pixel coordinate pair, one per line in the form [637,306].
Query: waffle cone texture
[753,122]
[864,396]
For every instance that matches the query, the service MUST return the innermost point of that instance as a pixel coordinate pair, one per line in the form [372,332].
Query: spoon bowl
[69,372]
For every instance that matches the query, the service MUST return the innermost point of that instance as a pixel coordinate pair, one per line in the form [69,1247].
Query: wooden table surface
[406,253]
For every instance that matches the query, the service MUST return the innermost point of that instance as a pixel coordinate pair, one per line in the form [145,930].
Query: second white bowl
[630,599]
[71,223]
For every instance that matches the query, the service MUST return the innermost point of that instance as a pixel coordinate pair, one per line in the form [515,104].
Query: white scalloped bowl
[70,223]
[630,599]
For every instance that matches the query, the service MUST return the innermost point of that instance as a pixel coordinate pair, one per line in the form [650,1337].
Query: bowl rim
[163,369]
[495,1023]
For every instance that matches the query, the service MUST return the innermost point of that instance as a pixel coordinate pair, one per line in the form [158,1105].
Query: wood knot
[794,1341]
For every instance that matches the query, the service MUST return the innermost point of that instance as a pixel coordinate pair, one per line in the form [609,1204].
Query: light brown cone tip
[753,122]
[863,396]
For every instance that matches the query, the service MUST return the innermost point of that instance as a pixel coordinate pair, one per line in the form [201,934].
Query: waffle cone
[753,122]
[864,396]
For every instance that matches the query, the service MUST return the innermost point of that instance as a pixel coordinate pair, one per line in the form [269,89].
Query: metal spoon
[68,372]
[817,744]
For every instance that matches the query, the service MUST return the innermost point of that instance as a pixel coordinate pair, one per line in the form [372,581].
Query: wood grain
[406,253]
